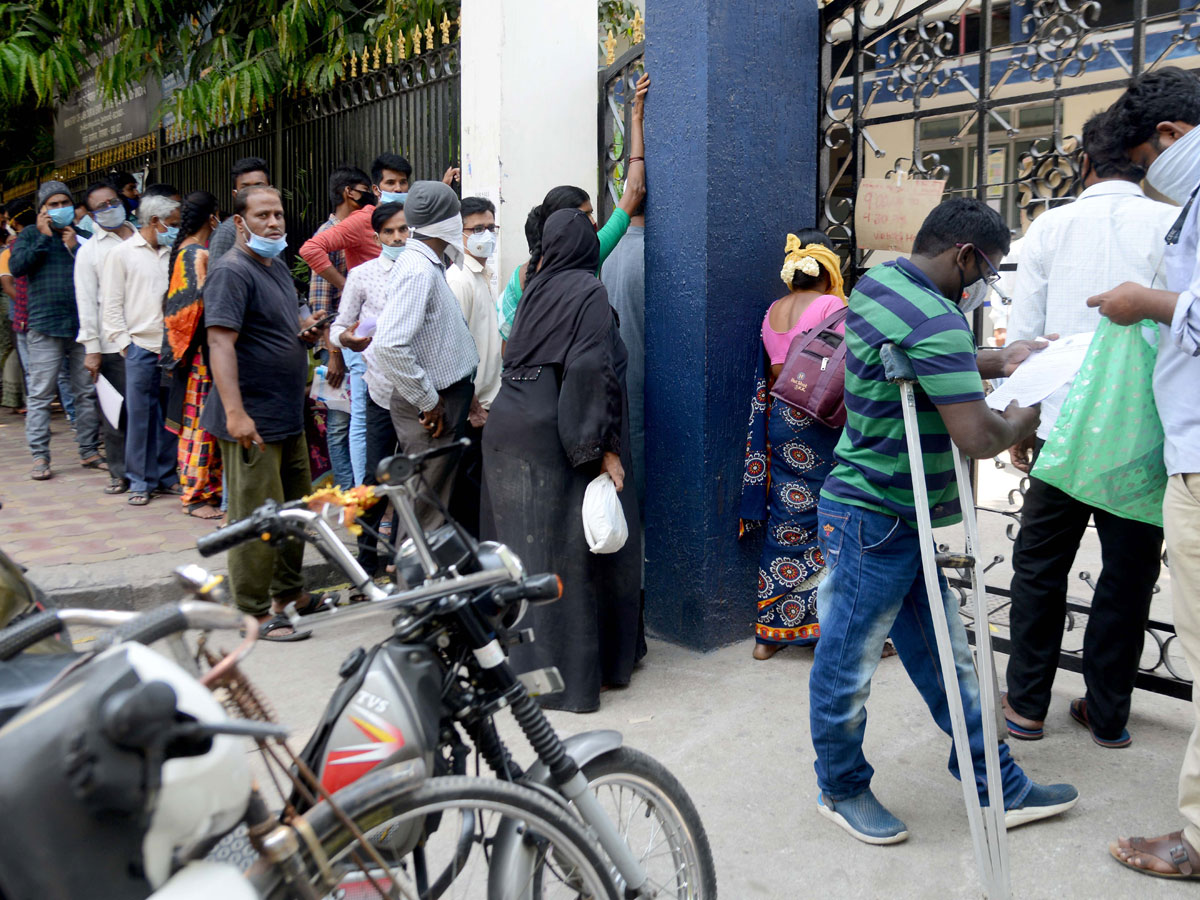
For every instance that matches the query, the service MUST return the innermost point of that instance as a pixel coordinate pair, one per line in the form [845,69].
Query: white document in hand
[1042,373]
[110,401]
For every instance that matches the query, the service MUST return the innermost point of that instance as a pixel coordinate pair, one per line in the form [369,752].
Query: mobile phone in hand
[320,323]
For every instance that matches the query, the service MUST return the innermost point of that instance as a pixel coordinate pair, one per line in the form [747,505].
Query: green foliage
[232,57]
[616,16]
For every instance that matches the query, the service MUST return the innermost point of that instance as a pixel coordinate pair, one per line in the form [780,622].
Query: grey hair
[155,207]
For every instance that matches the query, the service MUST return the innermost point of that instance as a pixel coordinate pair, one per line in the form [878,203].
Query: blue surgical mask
[63,216]
[392,197]
[391,252]
[267,247]
[167,238]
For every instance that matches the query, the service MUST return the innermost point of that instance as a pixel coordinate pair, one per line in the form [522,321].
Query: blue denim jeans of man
[357,367]
[45,356]
[337,440]
[150,450]
[875,588]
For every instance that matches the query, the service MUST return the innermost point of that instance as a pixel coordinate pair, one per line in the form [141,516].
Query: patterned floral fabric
[183,309]
[788,456]
[199,453]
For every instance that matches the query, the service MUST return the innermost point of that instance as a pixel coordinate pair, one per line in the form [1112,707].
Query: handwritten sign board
[888,213]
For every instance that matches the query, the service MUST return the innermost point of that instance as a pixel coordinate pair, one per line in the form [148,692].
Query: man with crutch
[868,512]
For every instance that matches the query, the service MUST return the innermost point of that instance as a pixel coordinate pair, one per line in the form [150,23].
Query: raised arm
[315,251]
[635,175]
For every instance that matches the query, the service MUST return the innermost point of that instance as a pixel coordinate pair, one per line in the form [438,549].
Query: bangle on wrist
[640,159]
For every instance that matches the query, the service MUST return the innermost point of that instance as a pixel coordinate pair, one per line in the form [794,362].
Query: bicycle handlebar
[258,522]
[171,619]
[403,466]
[28,632]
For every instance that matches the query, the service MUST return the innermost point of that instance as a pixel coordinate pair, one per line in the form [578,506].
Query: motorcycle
[443,673]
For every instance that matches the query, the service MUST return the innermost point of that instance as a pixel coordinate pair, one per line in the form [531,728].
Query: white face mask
[973,297]
[449,230]
[482,245]
[1176,171]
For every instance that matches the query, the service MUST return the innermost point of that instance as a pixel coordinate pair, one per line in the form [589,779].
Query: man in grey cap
[45,256]
[422,345]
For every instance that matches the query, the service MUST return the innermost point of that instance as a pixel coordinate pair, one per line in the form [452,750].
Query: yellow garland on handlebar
[354,503]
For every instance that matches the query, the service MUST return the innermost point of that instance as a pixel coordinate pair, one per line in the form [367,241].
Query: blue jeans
[875,588]
[150,450]
[357,367]
[65,395]
[45,359]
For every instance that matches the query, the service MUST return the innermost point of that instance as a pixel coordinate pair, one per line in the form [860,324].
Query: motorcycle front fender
[514,859]
[582,748]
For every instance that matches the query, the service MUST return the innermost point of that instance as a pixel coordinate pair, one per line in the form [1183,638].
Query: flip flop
[139,498]
[117,486]
[1172,849]
[95,462]
[1019,732]
[266,631]
[41,470]
[1079,714]
[314,604]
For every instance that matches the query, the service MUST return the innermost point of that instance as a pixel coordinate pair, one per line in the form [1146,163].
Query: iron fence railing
[618,84]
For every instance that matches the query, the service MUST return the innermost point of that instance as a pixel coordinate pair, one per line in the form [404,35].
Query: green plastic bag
[1106,448]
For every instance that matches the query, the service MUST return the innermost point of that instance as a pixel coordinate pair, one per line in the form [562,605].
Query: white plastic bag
[338,398]
[603,519]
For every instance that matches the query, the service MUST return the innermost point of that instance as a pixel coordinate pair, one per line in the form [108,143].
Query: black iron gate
[990,96]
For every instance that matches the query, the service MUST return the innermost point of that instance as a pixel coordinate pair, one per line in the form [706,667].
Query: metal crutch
[988,832]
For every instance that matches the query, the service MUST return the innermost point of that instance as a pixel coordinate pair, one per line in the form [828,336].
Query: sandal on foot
[1079,714]
[95,462]
[314,603]
[766,651]
[1172,850]
[176,489]
[117,486]
[267,631]
[1020,732]
[203,511]
[41,470]
[138,498]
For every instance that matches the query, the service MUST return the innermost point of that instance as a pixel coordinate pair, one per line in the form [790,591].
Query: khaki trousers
[1181,522]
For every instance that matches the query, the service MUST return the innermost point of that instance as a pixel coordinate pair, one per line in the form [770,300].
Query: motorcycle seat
[23,678]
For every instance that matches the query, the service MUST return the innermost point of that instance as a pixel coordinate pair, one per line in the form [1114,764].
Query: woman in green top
[569,197]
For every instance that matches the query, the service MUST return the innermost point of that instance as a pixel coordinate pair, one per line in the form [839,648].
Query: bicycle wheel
[456,838]
[658,820]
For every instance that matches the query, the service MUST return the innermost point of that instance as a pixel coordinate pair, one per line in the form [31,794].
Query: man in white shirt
[132,288]
[1157,119]
[103,357]
[1111,233]
[472,285]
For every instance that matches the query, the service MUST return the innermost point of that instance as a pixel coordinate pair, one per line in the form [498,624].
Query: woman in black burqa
[560,419]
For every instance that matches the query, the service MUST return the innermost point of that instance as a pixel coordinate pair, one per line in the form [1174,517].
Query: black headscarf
[564,321]
[563,298]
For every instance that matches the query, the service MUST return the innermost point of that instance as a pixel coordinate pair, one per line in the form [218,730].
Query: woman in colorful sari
[788,455]
[184,355]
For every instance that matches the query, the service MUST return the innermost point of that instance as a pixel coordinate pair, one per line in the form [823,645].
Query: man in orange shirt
[390,175]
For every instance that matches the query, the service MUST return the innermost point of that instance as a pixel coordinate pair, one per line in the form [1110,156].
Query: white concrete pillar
[528,76]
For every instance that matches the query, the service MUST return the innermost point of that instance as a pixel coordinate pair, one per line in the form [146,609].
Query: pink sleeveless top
[818,311]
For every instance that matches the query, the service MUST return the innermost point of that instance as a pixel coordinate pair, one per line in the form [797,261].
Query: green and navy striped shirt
[896,303]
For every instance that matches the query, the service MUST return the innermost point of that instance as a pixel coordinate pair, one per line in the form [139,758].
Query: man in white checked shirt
[1110,234]
[422,345]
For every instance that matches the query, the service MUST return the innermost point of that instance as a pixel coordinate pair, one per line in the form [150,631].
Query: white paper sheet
[1043,373]
[110,401]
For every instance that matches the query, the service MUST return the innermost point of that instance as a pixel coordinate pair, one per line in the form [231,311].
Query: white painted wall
[528,107]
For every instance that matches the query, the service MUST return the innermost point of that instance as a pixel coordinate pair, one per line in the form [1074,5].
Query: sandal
[267,630]
[1020,732]
[176,489]
[314,604]
[203,511]
[1172,850]
[1079,714]
[138,498]
[117,486]
[41,470]
[95,462]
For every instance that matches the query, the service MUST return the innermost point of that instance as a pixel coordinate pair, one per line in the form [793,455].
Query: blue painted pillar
[1018,29]
[731,142]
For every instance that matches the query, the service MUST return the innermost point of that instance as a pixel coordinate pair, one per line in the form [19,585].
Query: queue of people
[841,564]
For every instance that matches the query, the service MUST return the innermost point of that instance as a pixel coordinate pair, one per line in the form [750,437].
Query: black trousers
[381,443]
[468,482]
[1052,525]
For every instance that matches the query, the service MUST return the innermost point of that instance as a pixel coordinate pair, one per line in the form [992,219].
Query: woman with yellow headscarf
[788,454]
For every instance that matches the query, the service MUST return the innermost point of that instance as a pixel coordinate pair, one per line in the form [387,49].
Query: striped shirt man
[896,303]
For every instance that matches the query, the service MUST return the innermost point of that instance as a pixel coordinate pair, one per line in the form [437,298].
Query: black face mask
[362,198]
